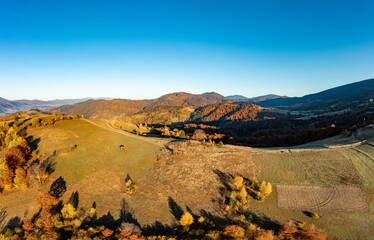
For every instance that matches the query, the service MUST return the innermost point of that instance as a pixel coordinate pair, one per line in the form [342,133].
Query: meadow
[96,168]
[336,183]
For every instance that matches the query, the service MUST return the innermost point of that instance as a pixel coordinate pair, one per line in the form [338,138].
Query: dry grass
[337,198]
[313,167]
[97,169]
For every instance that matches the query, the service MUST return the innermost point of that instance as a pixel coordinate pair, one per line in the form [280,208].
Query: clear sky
[143,49]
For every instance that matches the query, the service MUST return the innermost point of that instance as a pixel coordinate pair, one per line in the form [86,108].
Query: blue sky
[143,49]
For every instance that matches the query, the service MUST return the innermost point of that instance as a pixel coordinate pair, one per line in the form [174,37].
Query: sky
[144,49]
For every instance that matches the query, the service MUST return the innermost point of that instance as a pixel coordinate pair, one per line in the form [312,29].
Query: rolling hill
[226,112]
[120,108]
[338,98]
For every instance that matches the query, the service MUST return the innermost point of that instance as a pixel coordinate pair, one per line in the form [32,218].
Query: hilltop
[117,108]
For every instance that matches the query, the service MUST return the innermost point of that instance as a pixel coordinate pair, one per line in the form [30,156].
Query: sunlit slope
[96,168]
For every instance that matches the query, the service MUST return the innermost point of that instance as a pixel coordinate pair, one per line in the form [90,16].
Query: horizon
[124,98]
[147,49]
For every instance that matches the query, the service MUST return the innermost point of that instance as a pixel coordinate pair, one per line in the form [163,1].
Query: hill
[226,112]
[334,99]
[104,109]
[121,108]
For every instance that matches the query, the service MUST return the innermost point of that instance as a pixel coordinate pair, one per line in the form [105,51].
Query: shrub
[46,201]
[199,135]
[265,188]
[259,196]
[186,219]
[312,214]
[234,231]
[130,228]
[182,134]
[68,211]
[213,235]
[20,179]
[238,182]
[130,185]
[266,235]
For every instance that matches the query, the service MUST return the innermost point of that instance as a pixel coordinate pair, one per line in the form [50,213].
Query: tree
[20,179]
[182,134]
[14,158]
[199,135]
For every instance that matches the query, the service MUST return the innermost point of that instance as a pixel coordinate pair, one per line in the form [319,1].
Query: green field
[96,168]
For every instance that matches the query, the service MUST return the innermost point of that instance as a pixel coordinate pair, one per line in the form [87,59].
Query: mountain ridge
[334,98]
[241,98]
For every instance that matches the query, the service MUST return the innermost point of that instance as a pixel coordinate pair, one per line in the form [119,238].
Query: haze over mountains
[180,105]
[335,99]
[9,106]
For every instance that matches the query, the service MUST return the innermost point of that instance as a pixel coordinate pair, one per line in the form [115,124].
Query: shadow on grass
[175,209]
[33,142]
[213,221]
[58,188]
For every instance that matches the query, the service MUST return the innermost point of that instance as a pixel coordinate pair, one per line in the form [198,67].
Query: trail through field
[364,164]
[316,197]
[106,126]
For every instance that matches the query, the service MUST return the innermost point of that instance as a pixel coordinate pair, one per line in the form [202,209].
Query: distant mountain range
[8,106]
[334,99]
[179,106]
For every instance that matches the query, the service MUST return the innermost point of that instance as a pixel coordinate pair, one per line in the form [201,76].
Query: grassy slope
[318,167]
[96,168]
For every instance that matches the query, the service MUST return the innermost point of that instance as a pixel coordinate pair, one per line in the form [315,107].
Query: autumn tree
[14,157]
[199,135]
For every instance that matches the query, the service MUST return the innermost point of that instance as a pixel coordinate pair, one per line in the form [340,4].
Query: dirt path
[110,128]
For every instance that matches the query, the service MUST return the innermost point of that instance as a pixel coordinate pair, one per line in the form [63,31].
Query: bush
[234,231]
[68,211]
[259,196]
[186,219]
[265,188]
[312,214]
[238,182]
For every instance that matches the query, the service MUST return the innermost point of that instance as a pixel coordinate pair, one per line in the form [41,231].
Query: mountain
[187,99]
[240,98]
[226,112]
[105,109]
[7,106]
[237,98]
[338,98]
[163,108]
